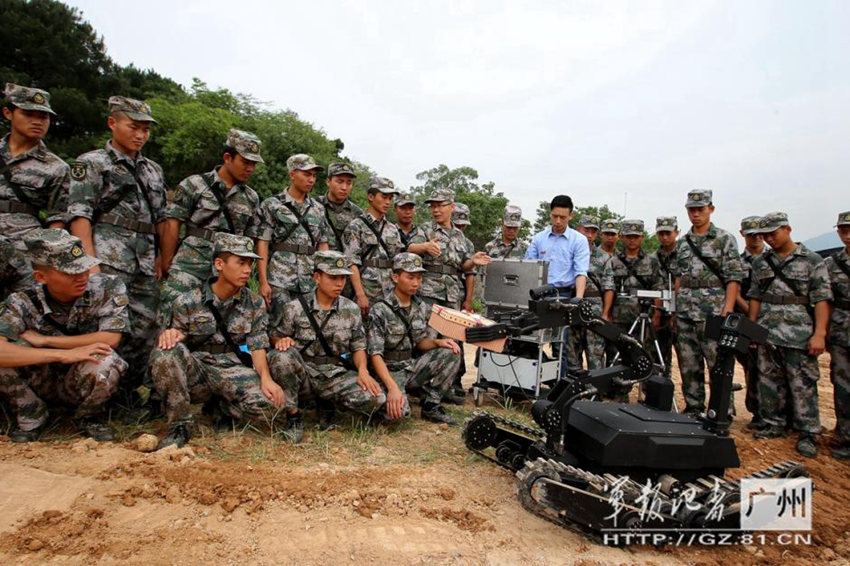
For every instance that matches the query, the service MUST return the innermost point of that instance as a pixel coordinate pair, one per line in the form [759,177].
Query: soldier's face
[632,242]
[589,233]
[129,136]
[610,238]
[462,227]
[239,168]
[64,286]
[405,213]
[407,283]
[441,212]
[330,285]
[509,232]
[30,124]
[234,269]
[303,180]
[779,238]
[560,218]
[700,215]
[339,187]
[753,241]
[844,234]
[380,201]
[667,238]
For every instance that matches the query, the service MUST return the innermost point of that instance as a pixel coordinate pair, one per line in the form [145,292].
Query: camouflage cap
[512,217]
[609,225]
[246,144]
[588,221]
[409,262]
[843,219]
[441,195]
[243,246]
[771,221]
[340,168]
[750,225]
[383,185]
[632,227]
[460,215]
[698,197]
[405,198]
[302,162]
[332,262]
[666,224]
[134,109]
[28,98]
[58,249]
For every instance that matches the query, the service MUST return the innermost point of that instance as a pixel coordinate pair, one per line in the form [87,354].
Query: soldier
[708,274]
[116,204]
[14,267]
[322,334]
[667,231]
[610,231]
[292,228]
[71,321]
[216,346]
[32,178]
[753,247]
[585,343]
[460,220]
[838,267]
[786,281]
[398,326]
[405,213]
[371,241]
[506,245]
[340,211]
[216,201]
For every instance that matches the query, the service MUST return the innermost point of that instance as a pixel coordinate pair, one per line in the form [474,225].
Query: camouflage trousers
[666,341]
[788,377]
[85,385]
[430,375]
[839,373]
[749,362]
[135,348]
[585,344]
[696,352]
[338,386]
[183,377]
[189,270]
[461,368]
[289,371]
[280,297]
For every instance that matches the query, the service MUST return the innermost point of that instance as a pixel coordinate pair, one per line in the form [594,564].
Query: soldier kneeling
[70,318]
[204,353]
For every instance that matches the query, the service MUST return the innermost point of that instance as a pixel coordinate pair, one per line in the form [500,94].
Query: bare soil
[408,494]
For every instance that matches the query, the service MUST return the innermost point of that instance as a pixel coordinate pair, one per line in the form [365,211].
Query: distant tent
[825,244]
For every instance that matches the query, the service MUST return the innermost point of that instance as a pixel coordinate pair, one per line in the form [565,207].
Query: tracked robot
[657,469]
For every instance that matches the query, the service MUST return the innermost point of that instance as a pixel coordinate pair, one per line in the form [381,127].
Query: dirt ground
[409,494]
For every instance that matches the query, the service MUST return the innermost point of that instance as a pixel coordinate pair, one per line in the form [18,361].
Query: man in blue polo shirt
[568,255]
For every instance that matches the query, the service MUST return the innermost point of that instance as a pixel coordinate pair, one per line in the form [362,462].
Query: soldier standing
[708,274]
[340,211]
[216,346]
[371,241]
[217,201]
[585,343]
[71,321]
[786,281]
[838,267]
[507,245]
[322,334]
[32,178]
[116,204]
[405,213]
[667,231]
[610,234]
[292,228]
[398,328]
[753,247]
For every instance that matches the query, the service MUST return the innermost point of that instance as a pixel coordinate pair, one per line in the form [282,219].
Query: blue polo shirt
[568,255]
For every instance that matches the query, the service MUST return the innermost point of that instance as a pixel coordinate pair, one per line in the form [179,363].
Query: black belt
[322,360]
[18,207]
[204,233]
[134,225]
[397,355]
[213,348]
[774,299]
[693,283]
[380,263]
[441,269]
[294,248]
[843,304]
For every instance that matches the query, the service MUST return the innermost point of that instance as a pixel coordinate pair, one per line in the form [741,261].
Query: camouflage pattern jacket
[454,253]
[101,308]
[42,178]
[362,246]
[387,332]
[407,237]
[497,249]
[839,323]
[701,293]
[789,325]
[339,217]
[106,180]
[624,276]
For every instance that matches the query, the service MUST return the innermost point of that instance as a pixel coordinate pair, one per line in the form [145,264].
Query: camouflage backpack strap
[320,335]
[244,357]
[337,233]
[27,206]
[715,269]
[399,312]
[301,221]
[630,270]
[209,179]
[778,272]
[373,247]
[36,300]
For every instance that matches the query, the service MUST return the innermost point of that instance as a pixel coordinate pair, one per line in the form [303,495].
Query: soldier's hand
[395,403]
[433,247]
[283,344]
[446,343]
[363,303]
[169,338]
[157,268]
[273,392]
[817,344]
[35,339]
[481,258]
[368,383]
[90,353]
[467,305]
[266,293]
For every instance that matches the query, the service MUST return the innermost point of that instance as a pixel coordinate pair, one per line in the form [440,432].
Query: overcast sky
[629,104]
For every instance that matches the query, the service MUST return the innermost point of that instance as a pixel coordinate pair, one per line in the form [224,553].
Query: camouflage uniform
[839,337]
[373,259]
[406,237]
[15,268]
[204,365]
[787,373]
[342,327]
[584,343]
[196,204]
[124,198]
[701,294]
[441,284]
[101,308]
[749,361]
[666,336]
[496,248]
[291,246]
[339,216]
[30,182]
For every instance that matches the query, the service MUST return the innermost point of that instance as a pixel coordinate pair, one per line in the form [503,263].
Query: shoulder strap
[399,312]
[301,221]
[372,249]
[316,328]
[842,266]
[36,300]
[778,272]
[709,264]
[337,233]
[16,188]
[209,179]
[630,269]
[596,282]
[219,322]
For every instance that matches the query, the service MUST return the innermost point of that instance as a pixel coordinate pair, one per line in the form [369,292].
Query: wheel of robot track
[530,474]
[479,432]
[798,471]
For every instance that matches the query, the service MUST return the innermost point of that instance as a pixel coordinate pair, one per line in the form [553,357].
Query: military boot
[178,435]
[806,445]
[842,452]
[19,435]
[435,413]
[772,431]
[327,412]
[294,431]
[96,429]
[757,424]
